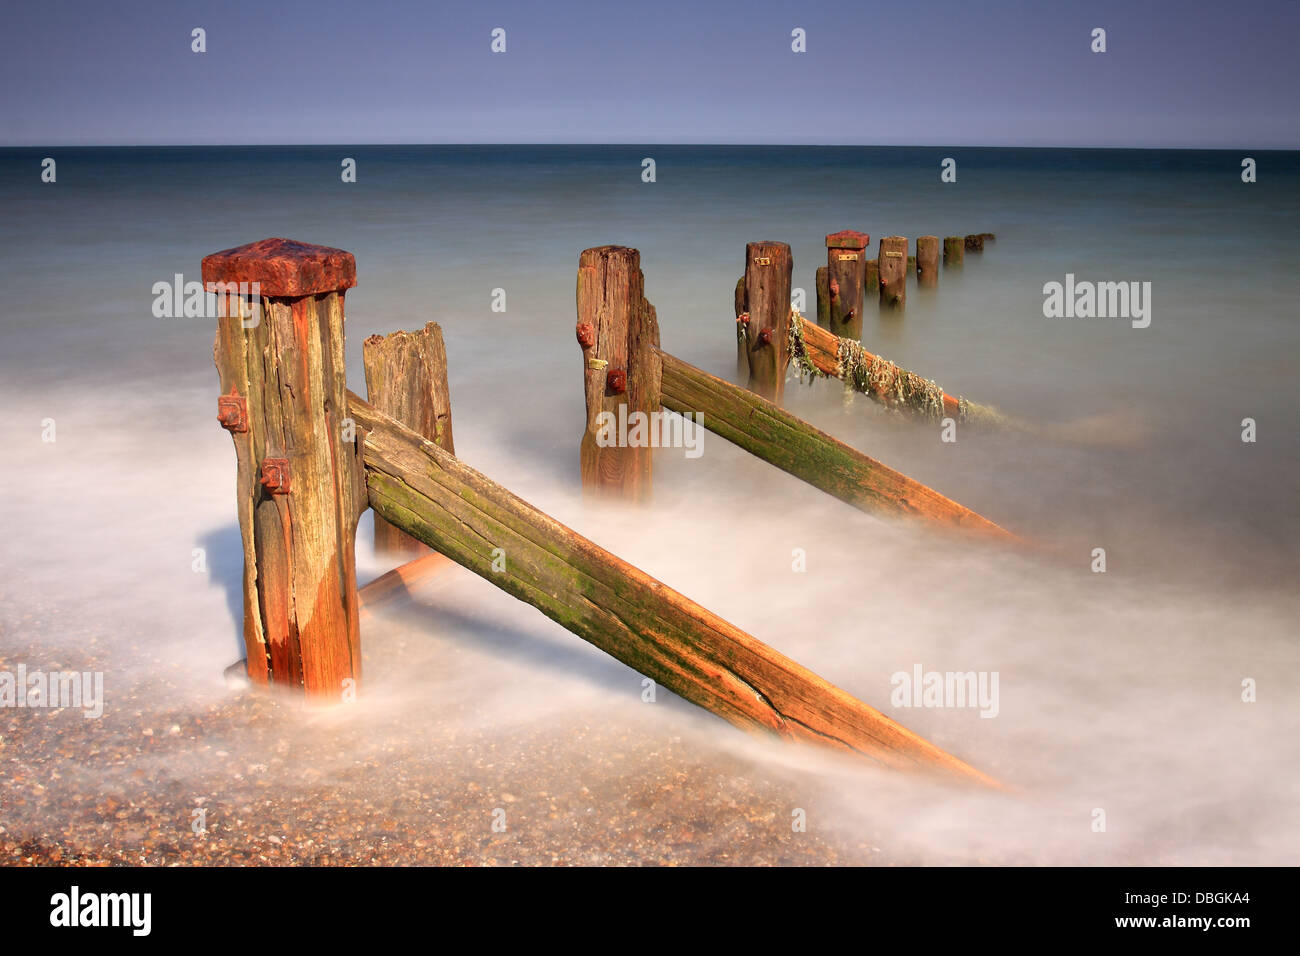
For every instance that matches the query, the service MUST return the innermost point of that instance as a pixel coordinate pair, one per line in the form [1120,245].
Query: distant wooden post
[893,272]
[847,273]
[871,284]
[975,243]
[300,486]
[406,379]
[768,270]
[742,331]
[953,252]
[823,297]
[618,332]
[927,260]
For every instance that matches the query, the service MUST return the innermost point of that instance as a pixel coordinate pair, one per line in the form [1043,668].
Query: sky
[1176,73]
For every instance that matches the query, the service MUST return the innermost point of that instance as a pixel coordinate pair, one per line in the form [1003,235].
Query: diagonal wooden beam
[773,434]
[837,357]
[436,498]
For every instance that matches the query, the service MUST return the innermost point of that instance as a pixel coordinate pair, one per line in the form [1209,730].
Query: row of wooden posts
[312,456]
[770,333]
[849,277]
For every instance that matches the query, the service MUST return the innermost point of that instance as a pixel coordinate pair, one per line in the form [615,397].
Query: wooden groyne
[311,456]
[618,333]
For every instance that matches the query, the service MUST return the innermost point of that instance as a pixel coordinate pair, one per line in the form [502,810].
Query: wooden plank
[823,349]
[406,379]
[403,579]
[619,608]
[773,434]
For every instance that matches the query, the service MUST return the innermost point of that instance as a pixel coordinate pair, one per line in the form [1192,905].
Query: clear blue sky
[888,72]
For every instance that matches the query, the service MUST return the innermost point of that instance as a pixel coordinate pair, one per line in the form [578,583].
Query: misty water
[1120,691]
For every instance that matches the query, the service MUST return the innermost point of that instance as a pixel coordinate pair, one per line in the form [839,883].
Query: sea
[1146,647]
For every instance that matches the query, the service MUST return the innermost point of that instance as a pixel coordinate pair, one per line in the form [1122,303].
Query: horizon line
[355,145]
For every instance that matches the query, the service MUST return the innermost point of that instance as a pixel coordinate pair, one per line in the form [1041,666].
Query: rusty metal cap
[848,239]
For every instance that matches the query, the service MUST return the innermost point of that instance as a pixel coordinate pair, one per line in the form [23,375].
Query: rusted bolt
[586,335]
[275,475]
[743,319]
[616,380]
[232,412]
[835,288]
[765,337]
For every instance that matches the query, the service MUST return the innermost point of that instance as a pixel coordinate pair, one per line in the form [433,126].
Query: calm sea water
[1200,528]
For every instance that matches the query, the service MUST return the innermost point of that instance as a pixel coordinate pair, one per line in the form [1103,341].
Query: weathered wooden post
[893,272]
[871,284]
[954,250]
[823,297]
[975,243]
[619,336]
[768,270]
[406,379]
[847,273]
[742,331]
[300,487]
[927,260]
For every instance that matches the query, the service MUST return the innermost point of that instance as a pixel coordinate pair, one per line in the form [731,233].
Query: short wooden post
[927,260]
[893,272]
[406,379]
[618,332]
[847,273]
[742,331]
[300,485]
[768,270]
[823,297]
[953,252]
[871,284]
[975,243]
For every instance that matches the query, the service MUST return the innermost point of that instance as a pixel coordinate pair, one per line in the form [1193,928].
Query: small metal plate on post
[762,260]
[232,413]
[890,254]
[848,257]
[275,475]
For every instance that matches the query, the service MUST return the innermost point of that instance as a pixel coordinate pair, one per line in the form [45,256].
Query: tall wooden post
[954,251]
[927,260]
[846,268]
[300,485]
[768,270]
[893,272]
[406,379]
[618,332]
